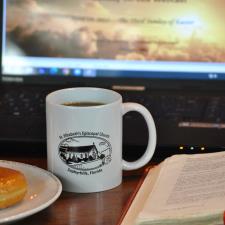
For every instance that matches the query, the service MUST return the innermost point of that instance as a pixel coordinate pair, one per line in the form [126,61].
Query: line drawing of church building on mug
[81,153]
[78,156]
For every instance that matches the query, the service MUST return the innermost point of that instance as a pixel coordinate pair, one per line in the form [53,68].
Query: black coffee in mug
[84,104]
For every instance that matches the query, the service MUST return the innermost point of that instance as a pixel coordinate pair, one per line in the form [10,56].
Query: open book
[182,190]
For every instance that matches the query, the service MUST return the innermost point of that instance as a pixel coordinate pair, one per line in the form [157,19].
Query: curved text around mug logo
[85,153]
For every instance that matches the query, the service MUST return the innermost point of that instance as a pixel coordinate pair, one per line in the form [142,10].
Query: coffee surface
[83,104]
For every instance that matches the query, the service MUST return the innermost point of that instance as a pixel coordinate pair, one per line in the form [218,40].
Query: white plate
[43,189]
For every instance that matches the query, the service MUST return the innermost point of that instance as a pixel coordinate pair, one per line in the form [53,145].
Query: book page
[188,186]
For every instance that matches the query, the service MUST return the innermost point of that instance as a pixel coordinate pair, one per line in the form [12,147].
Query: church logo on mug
[85,153]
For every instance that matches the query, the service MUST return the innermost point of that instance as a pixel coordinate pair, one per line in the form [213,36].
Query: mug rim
[54,93]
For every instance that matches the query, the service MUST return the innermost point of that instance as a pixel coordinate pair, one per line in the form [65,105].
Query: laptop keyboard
[23,103]
[178,108]
[184,108]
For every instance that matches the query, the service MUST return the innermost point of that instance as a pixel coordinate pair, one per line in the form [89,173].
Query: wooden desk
[81,209]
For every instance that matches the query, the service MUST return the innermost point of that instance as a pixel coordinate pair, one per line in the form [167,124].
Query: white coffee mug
[84,143]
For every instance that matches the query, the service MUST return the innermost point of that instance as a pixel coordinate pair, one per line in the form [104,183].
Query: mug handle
[127,107]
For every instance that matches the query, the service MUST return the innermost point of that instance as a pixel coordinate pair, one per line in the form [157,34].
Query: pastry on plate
[13,187]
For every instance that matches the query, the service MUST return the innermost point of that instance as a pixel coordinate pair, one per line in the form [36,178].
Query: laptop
[168,56]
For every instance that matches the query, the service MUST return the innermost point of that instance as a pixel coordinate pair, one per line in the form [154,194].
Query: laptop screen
[167,39]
